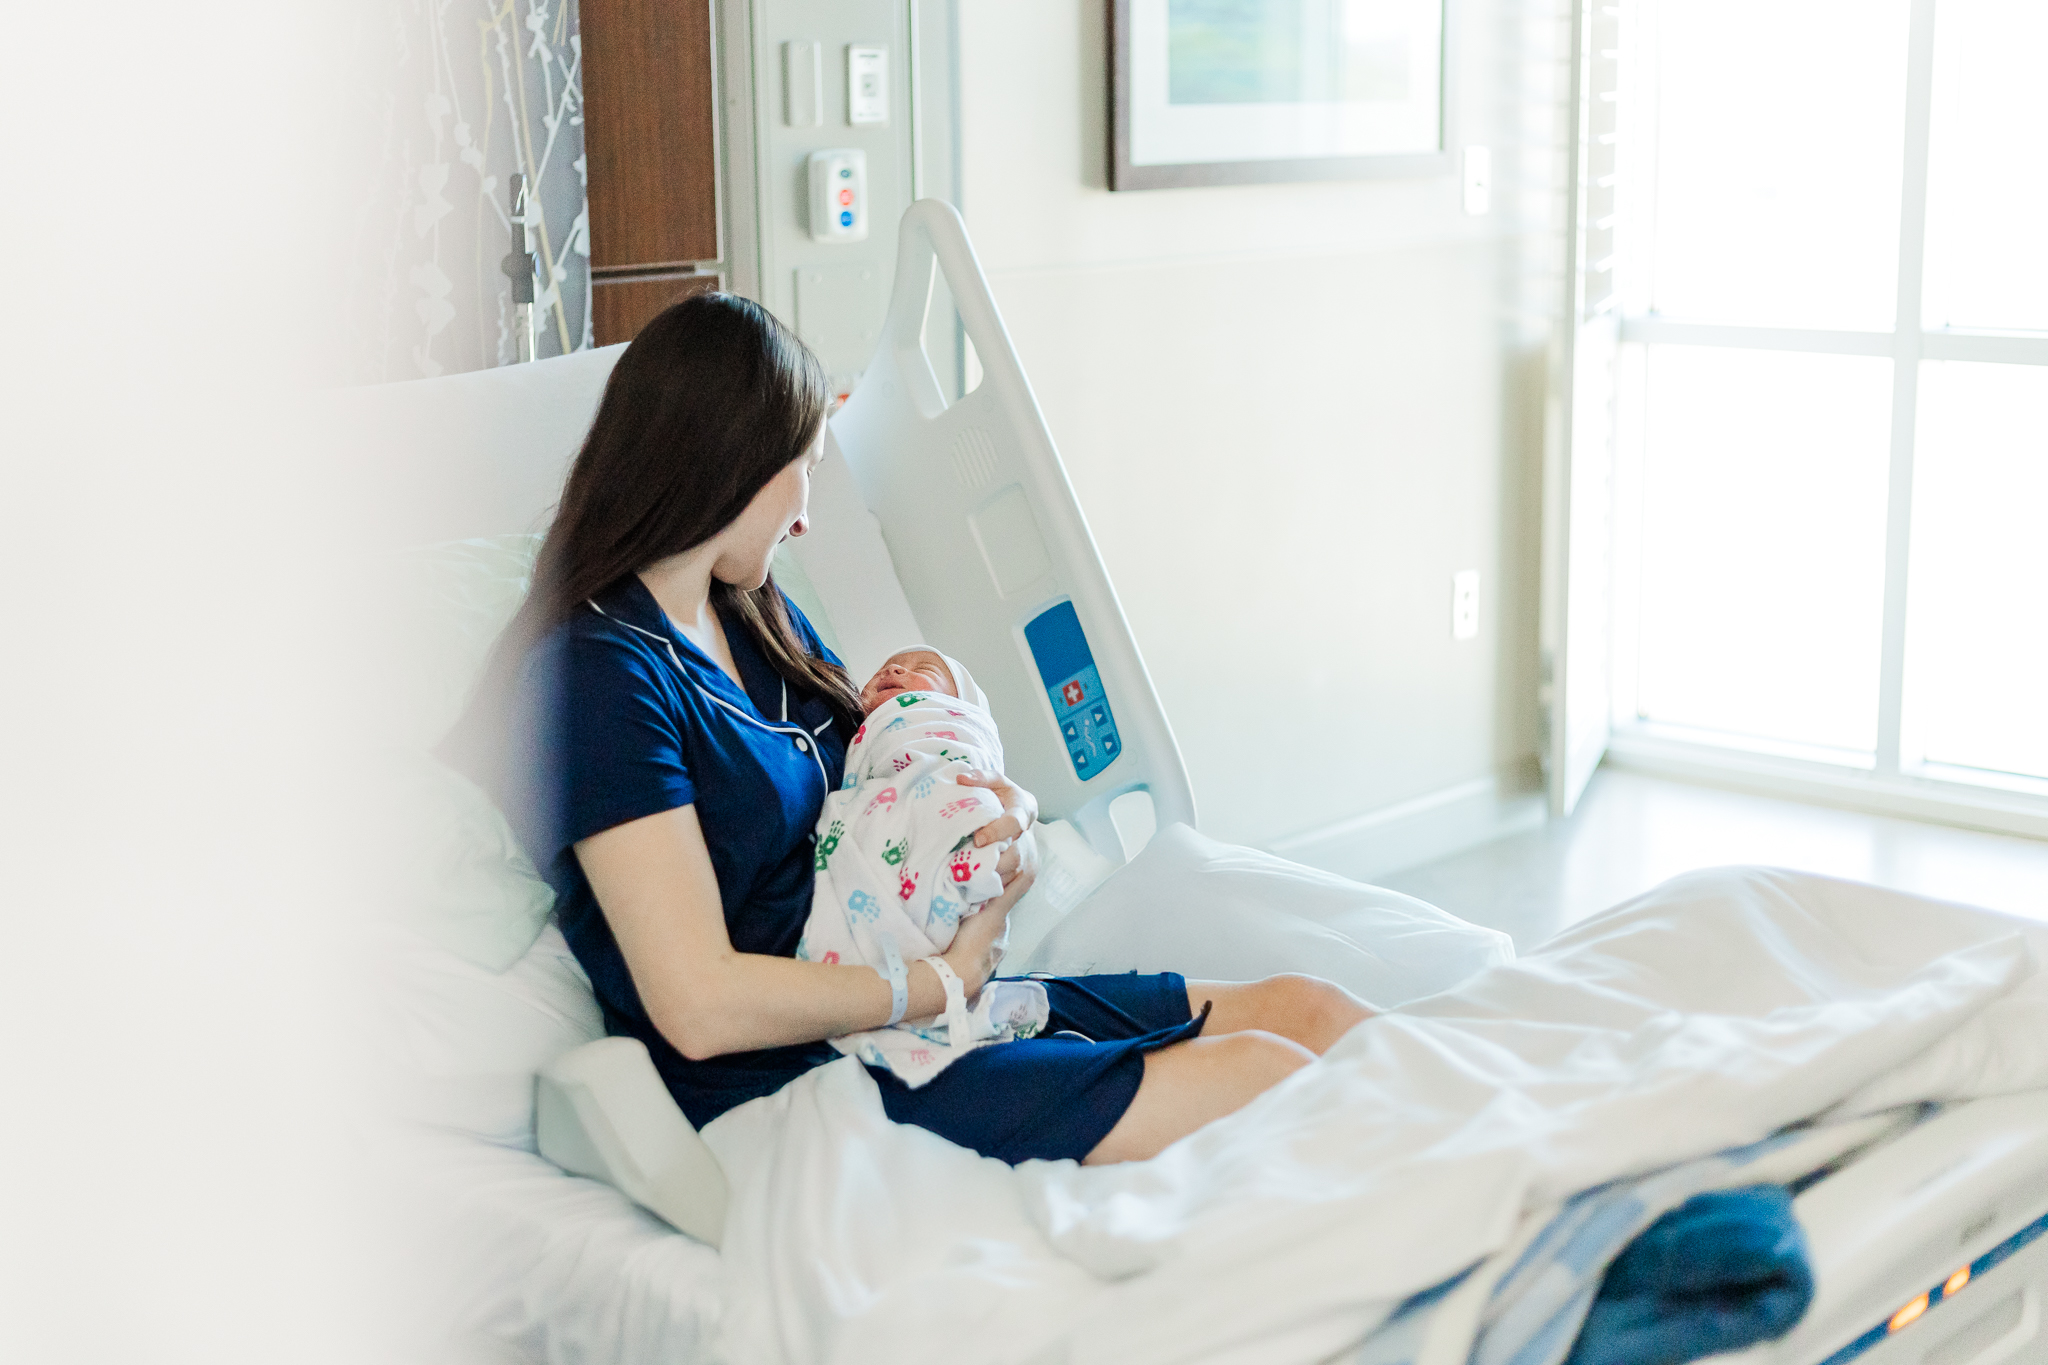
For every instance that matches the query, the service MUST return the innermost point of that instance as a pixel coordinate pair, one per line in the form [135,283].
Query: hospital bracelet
[959,1032]
[898,977]
[949,979]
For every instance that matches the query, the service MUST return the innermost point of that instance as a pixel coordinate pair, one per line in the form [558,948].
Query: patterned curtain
[473,92]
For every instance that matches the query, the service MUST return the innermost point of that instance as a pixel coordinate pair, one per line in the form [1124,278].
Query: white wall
[1291,412]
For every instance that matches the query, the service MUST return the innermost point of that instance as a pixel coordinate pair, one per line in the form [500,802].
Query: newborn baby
[897,866]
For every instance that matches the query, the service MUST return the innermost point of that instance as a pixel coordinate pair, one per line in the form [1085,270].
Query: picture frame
[1234,92]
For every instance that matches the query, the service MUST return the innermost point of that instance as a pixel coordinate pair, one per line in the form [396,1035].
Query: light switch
[1478,180]
[867,85]
[1465,605]
[803,84]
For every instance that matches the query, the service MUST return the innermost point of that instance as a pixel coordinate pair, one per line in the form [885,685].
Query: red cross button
[1073,692]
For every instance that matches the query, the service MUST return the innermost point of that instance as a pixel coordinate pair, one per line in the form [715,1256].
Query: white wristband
[898,977]
[949,980]
[959,1032]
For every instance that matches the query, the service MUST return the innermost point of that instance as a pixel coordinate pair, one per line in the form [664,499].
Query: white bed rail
[994,555]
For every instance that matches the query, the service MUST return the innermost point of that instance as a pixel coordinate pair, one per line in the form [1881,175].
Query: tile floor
[1631,831]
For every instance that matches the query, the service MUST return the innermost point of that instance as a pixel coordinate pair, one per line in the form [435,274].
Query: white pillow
[1069,870]
[461,1043]
[465,883]
[464,880]
[453,599]
[1213,911]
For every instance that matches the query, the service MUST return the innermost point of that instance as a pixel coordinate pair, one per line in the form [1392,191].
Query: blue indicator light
[846,218]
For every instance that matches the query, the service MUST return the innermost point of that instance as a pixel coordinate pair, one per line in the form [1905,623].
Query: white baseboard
[1764,774]
[1422,830]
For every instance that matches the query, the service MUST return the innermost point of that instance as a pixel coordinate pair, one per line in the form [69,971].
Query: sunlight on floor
[1633,831]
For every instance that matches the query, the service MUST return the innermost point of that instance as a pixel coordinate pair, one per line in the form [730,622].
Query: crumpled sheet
[1706,1014]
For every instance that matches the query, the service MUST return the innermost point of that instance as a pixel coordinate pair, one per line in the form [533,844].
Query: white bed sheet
[1707,1014]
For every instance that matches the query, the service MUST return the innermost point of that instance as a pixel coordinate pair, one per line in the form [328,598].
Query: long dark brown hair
[712,400]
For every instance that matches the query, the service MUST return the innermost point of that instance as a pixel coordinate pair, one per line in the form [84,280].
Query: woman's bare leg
[1306,1009]
[1190,1084]
[1259,1033]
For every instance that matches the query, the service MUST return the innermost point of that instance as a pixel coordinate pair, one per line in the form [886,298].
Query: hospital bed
[950,519]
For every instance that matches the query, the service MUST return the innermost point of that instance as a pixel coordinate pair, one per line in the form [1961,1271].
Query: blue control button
[846,218]
[846,172]
[1066,669]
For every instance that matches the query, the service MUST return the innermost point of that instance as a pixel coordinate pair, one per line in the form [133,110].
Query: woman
[662,725]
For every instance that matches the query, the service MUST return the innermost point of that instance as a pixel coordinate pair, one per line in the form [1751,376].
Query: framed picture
[1228,92]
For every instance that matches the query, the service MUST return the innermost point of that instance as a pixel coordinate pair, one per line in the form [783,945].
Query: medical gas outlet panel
[835,155]
[839,195]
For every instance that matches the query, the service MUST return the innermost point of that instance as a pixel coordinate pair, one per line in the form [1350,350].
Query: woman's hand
[1020,812]
[973,955]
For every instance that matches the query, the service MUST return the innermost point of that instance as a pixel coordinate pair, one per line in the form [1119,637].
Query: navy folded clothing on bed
[1659,1269]
[1721,1271]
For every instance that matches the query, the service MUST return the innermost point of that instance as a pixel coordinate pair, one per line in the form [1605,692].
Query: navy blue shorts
[1055,1095]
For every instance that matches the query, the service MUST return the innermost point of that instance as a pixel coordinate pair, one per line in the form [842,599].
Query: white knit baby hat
[963,681]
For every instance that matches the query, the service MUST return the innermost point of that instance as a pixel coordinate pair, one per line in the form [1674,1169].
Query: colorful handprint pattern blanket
[897,866]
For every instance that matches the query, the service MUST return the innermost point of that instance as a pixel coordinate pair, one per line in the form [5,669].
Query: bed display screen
[1066,668]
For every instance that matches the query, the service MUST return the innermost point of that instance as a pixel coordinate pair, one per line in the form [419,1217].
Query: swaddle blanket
[897,869]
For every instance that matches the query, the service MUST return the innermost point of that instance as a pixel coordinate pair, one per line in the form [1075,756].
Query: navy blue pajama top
[610,726]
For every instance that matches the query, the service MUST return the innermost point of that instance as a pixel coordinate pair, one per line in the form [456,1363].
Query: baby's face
[914,670]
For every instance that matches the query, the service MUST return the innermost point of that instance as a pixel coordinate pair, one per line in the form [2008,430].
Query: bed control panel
[1066,668]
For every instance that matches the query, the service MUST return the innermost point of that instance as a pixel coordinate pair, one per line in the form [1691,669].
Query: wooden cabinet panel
[648,134]
[620,308]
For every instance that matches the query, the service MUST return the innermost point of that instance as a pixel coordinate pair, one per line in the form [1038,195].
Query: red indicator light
[846,196]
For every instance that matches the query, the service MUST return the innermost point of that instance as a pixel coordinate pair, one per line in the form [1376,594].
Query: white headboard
[480,454]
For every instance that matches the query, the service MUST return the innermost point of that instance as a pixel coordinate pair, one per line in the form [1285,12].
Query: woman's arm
[654,880]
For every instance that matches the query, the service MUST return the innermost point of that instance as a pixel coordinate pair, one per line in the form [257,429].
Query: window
[1832,467]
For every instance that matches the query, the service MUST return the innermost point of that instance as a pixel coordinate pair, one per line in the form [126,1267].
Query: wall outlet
[1465,605]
